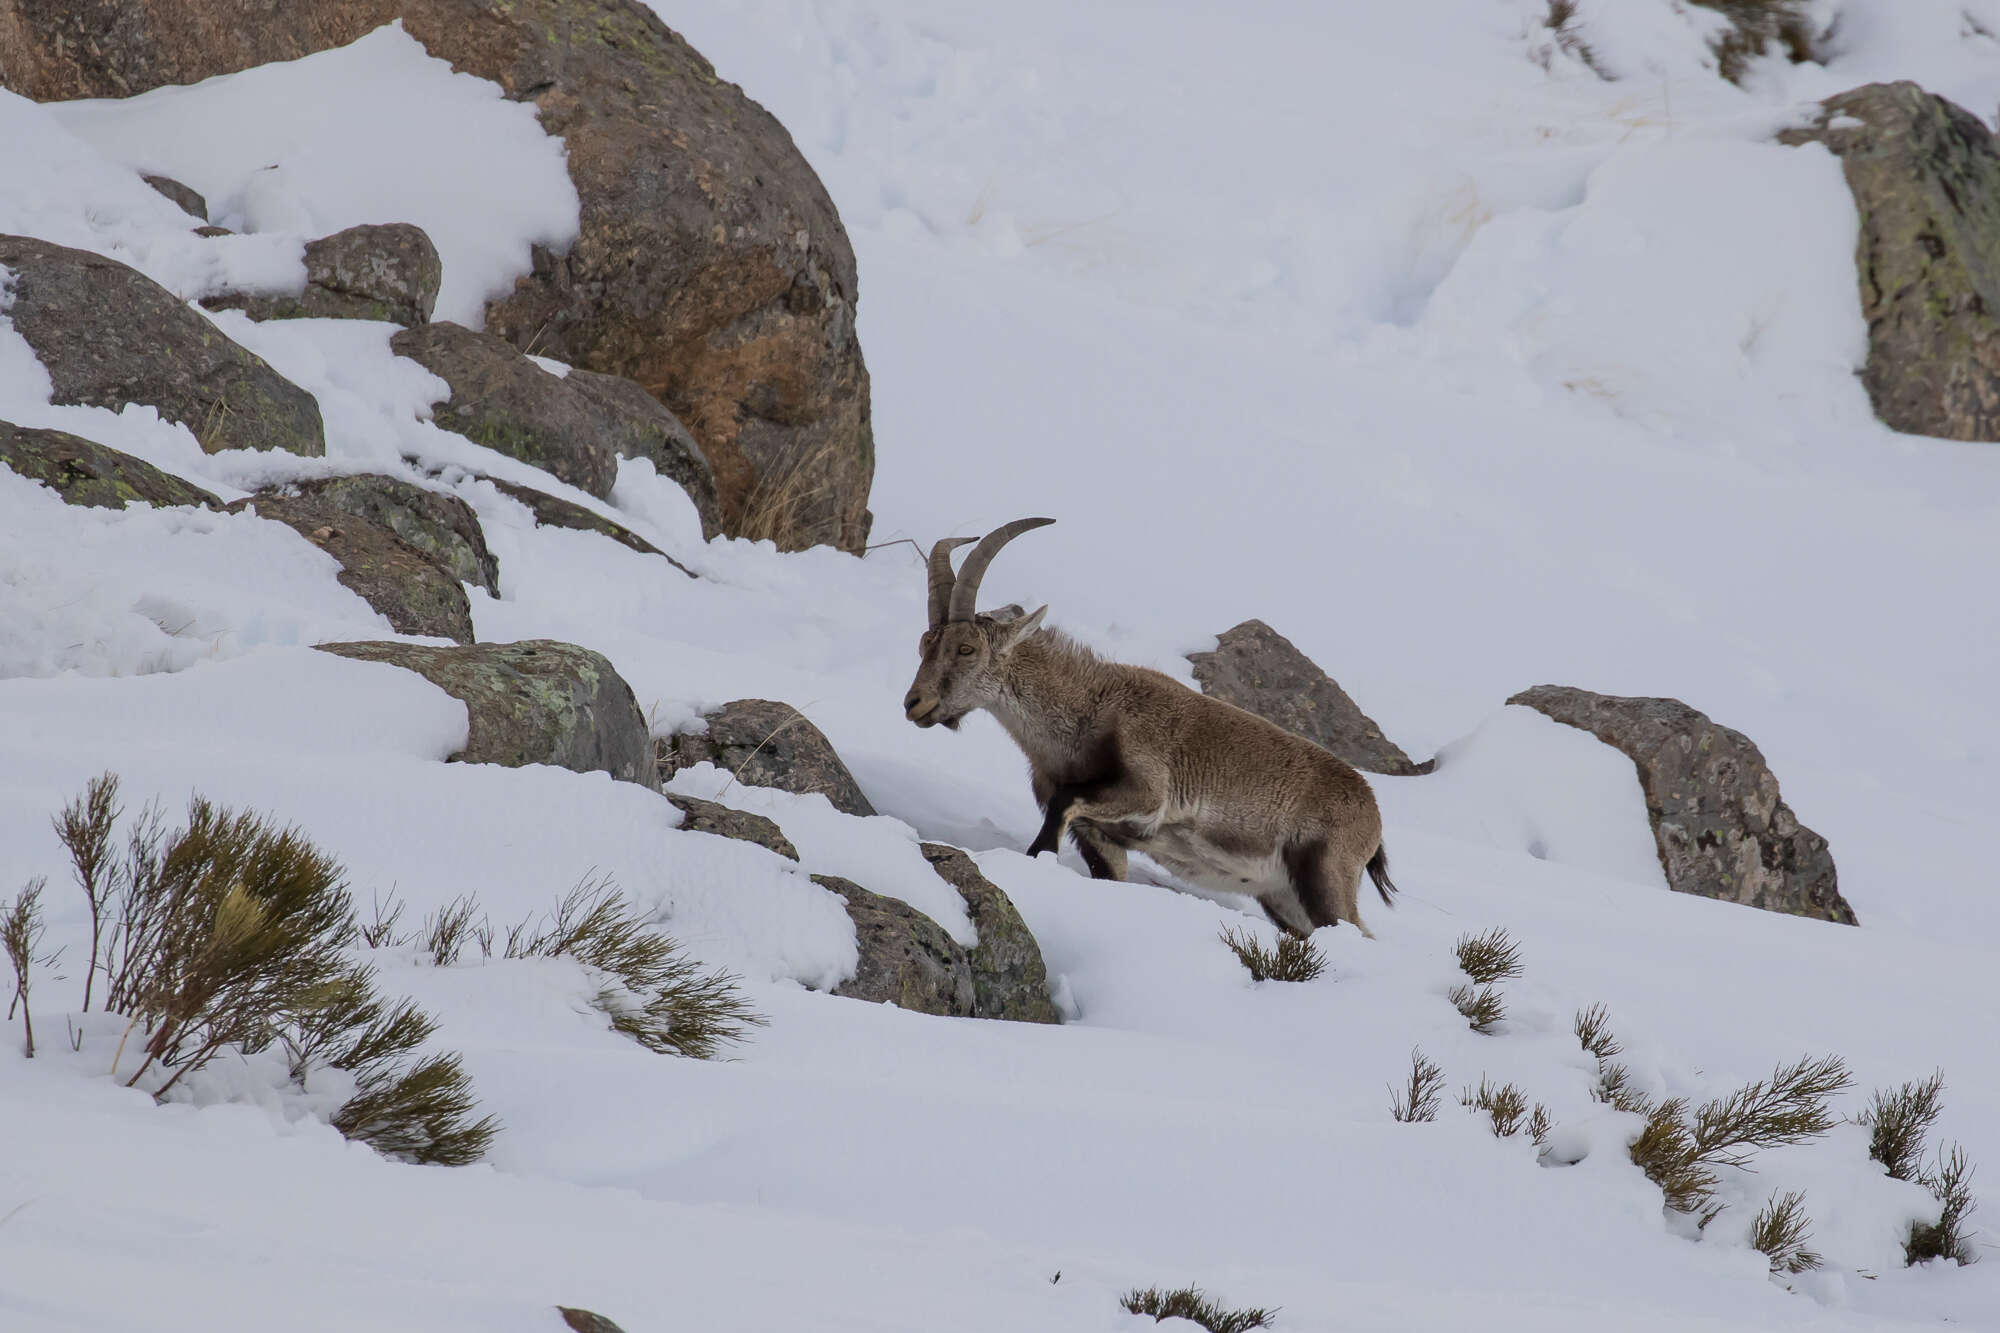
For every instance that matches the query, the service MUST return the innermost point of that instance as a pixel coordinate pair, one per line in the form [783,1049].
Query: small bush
[1421,1097]
[1189,1303]
[20,935]
[85,827]
[1488,958]
[381,932]
[1505,1106]
[1898,1123]
[1949,1237]
[449,929]
[423,1116]
[1294,959]
[1483,1008]
[1781,1230]
[1539,1125]
[1593,1032]
[651,992]
[1678,1152]
[1614,1088]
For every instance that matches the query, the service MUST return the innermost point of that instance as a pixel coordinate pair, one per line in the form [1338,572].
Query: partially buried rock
[699,816]
[767,744]
[84,472]
[555,512]
[1925,176]
[189,201]
[534,702]
[387,271]
[109,335]
[586,1321]
[907,959]
[1009,979]
[441,526]
[1257,669]
[414,593]
[575,426]
[1721,828]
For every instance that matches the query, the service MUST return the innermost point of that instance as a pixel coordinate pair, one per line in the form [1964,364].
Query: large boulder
[699,816]
[533,702]
[1720,825]
[767,744]
[414,593]
[385,271]
[84,472]
[555,512]
[907,959]
[574,426]
[1925,175]
[1257,669]
[109,335]
[1009,979]
[442,526]
[711,266]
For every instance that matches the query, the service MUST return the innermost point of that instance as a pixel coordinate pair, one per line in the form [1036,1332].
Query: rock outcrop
[1925,175]
[84,472]
[109,335]
[711,266]
[1009,979]
[555,512]
[1257,669]
[533,702]
[767,744]
[414,593]
[907,959]
[441,526]
[699,816]
[387,271]
[1721,827]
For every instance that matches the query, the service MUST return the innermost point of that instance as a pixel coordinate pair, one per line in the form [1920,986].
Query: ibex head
[965,653]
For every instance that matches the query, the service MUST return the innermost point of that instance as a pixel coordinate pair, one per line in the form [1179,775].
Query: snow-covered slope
[1464,373]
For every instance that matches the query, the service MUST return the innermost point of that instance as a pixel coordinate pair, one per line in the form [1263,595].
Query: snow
[1465,374]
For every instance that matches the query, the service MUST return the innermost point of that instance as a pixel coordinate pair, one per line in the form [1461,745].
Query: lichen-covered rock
[1009,979]
[384,271]
[84,472]
[711,266]
[109,335]
[183,197]
[1257,669]
[1925,175]
[442,526]
[533,702]
[640,426]
[723,821]
[1720,825]
[767,744]
[414,593]
[907,959]
[555,512]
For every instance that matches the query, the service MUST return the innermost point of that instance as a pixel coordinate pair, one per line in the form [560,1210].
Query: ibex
[1128,759]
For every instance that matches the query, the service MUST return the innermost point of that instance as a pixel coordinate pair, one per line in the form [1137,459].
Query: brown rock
[711,265]
[767,744]
[188,200]
[555,512]
[1720,825]
[414,593]
[724,821]
[388,272]
[1257,669]
[907,959]
[442,526]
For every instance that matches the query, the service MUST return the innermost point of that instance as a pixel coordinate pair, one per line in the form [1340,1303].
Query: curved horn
[965,593]
[941,576]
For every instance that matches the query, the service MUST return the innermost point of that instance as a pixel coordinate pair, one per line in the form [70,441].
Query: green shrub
[1189,1303]
[1483,1008]
[1949,1237]
[1898,1123]
[1505,1106]
[1781,1230]
[1488,958]
[1294,958]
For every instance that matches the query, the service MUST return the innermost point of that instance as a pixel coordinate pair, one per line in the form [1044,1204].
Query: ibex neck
[1046,701]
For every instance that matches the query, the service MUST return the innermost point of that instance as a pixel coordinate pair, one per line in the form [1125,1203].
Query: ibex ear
[1006,635]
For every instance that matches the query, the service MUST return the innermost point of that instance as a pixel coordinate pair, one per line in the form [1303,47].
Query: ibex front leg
[1119,795]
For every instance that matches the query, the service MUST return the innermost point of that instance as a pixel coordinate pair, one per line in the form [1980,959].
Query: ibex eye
[965,650]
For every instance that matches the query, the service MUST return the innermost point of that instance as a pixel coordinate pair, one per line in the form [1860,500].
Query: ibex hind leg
[1328,891]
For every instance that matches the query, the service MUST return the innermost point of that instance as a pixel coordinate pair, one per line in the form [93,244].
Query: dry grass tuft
[1422,1095]
[1506,1106]
[1593,1032]
[1189,1303]
[1781,1230]
[1757,27]
[1898,1123]
[1294,959]
[1483,1008]
[793,506]
[1487,958]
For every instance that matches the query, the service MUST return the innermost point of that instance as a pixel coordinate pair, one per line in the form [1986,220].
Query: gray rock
[907,959]
[640,426]
[387,271]
[1009,979]
[586,1321]
[1257,669]
[711,265]
[555,512]
[442,526]
[1925,175]
[725,822]
[533,702]
[1721,828]
[109,336]
[187,200]
[414,593]
[84,472]
[767,744]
